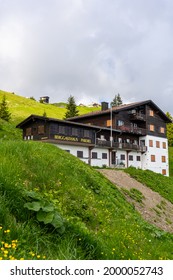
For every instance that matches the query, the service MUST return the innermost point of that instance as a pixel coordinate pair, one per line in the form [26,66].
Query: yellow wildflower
[5,252]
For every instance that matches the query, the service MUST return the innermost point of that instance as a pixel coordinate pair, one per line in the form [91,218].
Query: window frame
[153,158]
[104,156]
[80,154]
[94,155]
[158,144]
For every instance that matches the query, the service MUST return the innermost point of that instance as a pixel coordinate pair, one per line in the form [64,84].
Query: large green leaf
[48,207]
[45,217]
[33,195]
[57,221]
[34,206]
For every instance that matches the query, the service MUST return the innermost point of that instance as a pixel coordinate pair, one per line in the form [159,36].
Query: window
[41,129]
[34,130]
[74,131]
[28,131]
[122,157]
[54,128]
[151,127]
[162,130]
[138,158]
[86,133]
[163,159]
[68,151]
[94,155]
[163,171]
[151,113]
[120,123]
[80,154]
[108,122]
[157,144]
[164,145]
[142,143]
[153,158]
[130,157]
[104,156]
[62,129]
[150,143]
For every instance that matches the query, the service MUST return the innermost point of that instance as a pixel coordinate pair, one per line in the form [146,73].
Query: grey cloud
[91,49]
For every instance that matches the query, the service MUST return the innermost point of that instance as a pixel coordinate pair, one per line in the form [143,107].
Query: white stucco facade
[156,156]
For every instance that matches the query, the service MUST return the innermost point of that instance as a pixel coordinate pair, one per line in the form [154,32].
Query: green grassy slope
[171,161]
[157,182]
[99,223]
[21,107]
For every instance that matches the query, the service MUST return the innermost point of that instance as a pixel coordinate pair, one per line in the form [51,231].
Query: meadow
[53,206]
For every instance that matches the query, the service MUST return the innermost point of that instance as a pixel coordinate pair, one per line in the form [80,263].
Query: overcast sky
[91,49]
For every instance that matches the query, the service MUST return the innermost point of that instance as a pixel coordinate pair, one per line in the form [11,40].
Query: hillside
[54,206]
[21,107]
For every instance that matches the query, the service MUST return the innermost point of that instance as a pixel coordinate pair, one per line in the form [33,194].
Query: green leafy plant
[46,211]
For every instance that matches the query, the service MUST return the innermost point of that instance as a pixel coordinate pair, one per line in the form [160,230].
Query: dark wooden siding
[42,130]
[155,120]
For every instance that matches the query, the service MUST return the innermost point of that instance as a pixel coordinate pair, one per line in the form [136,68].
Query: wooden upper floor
[141,118]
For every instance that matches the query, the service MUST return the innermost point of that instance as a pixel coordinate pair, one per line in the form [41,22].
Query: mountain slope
[150,204]
[99,222]
[21,107]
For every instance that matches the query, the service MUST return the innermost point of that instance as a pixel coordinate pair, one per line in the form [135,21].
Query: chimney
[104,106]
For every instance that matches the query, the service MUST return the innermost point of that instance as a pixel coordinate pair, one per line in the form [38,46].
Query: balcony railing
[137,117]
[131,129]
[121,146]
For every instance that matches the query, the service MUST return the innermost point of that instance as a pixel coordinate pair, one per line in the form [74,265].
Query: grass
[171,161]
[157,182]
[134,194]
[99,222]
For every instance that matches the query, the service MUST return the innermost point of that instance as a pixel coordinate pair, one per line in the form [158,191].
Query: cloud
[91,49]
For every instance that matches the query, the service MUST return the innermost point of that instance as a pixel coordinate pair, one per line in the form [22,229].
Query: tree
[4,111]
[44,114]
[71,108]
[169,128]
[32,98]
[117,101]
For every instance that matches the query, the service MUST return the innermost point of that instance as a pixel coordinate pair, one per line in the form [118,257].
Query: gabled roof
[32,118]
[123,107]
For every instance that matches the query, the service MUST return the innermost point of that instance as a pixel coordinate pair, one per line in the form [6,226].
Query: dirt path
[153,207]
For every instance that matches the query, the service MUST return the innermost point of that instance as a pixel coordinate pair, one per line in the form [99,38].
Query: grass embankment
[157,182]
[21,107]
[75,213]
[171,161]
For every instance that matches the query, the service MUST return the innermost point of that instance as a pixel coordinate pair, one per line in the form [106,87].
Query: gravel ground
[154,208]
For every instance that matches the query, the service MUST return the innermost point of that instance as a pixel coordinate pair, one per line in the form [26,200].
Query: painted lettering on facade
[71,138]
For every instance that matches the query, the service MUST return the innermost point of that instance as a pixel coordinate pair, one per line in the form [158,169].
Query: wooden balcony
[131,129]
[137,117]
[121,146]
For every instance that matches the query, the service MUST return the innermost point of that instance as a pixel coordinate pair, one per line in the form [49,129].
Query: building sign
[72,139]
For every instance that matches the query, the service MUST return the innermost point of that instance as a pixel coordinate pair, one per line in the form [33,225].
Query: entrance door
[113,157]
